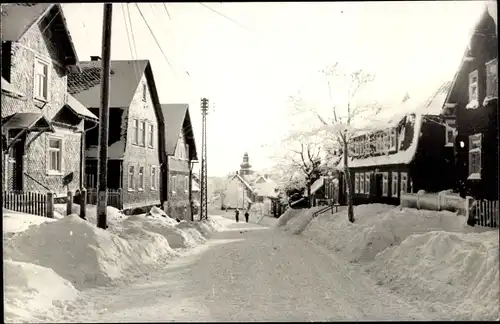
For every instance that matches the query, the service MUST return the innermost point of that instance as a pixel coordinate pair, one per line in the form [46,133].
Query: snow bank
[33,293]
[289,214]
[376,228]
[113,215]
[14,222]
[456,273]
[84,254]
[298,224]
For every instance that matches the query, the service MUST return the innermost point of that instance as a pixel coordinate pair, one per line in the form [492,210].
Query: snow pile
[157,212]
[84,254]
[14,222]
[32,293]
[298,224]
[289,214]
[455,274]
[113,215]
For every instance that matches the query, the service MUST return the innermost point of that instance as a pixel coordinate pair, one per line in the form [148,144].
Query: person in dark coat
[246,216]
[237,215]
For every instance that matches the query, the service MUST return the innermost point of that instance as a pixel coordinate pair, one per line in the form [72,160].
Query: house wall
[23,53]
[483,119]
[141,156]
[236,194]
[178,203]
[432,168]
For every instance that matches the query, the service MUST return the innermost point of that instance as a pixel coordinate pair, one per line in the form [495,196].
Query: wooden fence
[115,197]
[483,212]
[36,203]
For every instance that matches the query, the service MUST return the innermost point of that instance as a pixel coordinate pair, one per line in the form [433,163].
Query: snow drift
[455,273]
[113,215]
[33,292]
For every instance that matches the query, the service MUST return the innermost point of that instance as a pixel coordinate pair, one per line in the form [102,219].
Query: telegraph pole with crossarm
[203,176]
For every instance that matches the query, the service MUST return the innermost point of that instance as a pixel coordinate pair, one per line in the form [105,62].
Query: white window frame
[367,183]
[404,182]
[393,140]
[49,151]
[385,184]
[142,133]
[153,176]
[135,131]
[475,150]
[356,182]
[473,84]
[386,142]
[173,183]
[186,184]
[367,145]
[151,136]
[450,129]
[144,92]
[131,178]
[395,184]
[491,66]
[361,183]
[186,148]
[140,178]
[36,95]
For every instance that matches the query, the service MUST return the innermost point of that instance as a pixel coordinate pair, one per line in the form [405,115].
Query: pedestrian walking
[237,215]
[246,216]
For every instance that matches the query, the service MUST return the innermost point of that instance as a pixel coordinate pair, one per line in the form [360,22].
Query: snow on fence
[36,203]
[115,197]
[433,201]
[484,212]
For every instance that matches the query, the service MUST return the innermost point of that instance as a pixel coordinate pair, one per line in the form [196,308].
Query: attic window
[473,88]
[491,80]
[144,92]
[450,133]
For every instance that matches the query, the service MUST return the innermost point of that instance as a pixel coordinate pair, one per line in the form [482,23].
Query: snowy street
[248,273]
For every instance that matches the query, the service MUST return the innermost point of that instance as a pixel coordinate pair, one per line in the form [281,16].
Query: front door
[16,158]
[378,186]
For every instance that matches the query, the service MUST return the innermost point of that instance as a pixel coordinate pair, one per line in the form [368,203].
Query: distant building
[247,187]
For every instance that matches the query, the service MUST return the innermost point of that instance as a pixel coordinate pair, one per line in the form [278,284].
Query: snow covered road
[248,273]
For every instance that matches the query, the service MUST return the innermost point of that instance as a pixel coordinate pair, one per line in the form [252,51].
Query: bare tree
[339,124]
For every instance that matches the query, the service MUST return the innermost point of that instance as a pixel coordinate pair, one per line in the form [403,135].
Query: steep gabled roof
[18,18]
[124,81]
[177,119]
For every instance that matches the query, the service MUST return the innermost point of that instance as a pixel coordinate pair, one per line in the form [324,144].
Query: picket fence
[115,197]
[36,203]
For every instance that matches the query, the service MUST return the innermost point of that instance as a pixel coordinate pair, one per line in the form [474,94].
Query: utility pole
[104,117]
[203,180]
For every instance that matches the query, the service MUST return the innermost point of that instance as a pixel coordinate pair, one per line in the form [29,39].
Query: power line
[168,14]
[129,35]
[132,31]
[226,17]
[154,37]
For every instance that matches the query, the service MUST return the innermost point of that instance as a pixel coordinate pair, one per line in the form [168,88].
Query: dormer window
[473,90]
[450,133]
[491,81]
[392,140]
[144,92]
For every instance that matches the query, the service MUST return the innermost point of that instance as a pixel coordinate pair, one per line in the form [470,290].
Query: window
[367,145]
[394,187]
[379,144]
[385,184]
[187,150]
[186,184]
[131,178]
[473,86]
[142,133]
[475,157]
[367,183]
[144,92]
[154,175]
[492,79]
[141,179]
[41,80]
[450,132]
[362,183]
[180,150]
[404,182]
[55,155]
[392,140]
[356,183]
[151,135]
[173,184]
[135,131]
[386,143]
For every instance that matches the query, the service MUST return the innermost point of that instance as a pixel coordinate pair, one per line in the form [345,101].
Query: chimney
[95,58]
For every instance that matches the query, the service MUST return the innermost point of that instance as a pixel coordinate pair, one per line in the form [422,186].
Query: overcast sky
[249,67]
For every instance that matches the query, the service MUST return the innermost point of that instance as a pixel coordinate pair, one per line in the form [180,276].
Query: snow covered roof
[177,118]
[317,185]
[431,106]
[194,186]
[9,88]
[267,189]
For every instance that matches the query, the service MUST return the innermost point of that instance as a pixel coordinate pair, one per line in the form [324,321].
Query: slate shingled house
[136,146]
[42,125]
[410,152]
[181,152]
[472,106]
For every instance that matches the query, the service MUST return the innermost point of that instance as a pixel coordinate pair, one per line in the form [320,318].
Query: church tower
[245,166]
